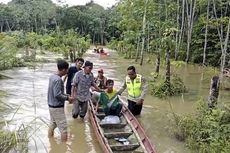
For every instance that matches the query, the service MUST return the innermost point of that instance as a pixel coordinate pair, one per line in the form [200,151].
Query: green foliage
[11,141]
[7,141]
[205,131]
[8,52]
[177,64]
[123,47]
[16,141]
[48,41]
[159,87]
[60,42]
[213,50]
[31,16]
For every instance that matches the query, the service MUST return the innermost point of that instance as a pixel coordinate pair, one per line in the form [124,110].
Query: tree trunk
[143,33]
[167,73]
[158,61]
[178,26]
[137,51]
[102,38]
[7,23]
[56,25]
[206,33]
[98,38]
[94,38]
[74,54]
[190,16]
[13,25]
[1,26]
[225,49]
[36,25]
[214,92]
[148,39]
[101,33]
[181,29]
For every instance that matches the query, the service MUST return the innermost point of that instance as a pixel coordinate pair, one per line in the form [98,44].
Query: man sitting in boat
[101,79]
[109,100]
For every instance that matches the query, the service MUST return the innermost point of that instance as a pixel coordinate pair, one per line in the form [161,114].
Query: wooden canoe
[128,129]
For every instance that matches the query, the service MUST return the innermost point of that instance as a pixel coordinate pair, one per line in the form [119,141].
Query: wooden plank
[113,126]
[100,115]
[100,110]
[122,147]
[117,134]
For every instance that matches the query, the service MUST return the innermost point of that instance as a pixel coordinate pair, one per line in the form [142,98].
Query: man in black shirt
[72,70]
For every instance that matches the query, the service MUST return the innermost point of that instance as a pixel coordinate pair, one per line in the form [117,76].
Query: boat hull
[129,130]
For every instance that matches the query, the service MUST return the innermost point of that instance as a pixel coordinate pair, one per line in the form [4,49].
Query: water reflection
[55,144]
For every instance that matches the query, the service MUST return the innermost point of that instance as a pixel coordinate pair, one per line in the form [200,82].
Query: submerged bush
[158,86]
[7,141]
[13,141]
[206,131]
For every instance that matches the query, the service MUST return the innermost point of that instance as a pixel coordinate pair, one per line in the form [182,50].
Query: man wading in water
[81,84]
[72,70]
[137,89]
[56,100]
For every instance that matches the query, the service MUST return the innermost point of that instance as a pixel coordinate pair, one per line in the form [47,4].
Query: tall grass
[16,140]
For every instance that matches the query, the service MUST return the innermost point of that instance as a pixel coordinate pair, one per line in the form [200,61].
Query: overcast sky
[104,3]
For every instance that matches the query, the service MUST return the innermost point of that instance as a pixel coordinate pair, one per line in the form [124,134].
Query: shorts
[58,119]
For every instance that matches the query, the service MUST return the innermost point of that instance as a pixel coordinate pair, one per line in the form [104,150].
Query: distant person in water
[56,100]
[82,82]
[137,89]
[102,51]
[72,70]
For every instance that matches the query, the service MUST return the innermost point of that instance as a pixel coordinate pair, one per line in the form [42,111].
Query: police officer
[137,87]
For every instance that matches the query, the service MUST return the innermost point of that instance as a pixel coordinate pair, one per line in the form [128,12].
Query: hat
[100,70]
[88,63]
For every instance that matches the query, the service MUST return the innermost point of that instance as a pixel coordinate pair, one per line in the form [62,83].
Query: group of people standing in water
[80,84]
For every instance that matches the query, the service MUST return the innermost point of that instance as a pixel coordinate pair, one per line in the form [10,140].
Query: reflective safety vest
[134,88]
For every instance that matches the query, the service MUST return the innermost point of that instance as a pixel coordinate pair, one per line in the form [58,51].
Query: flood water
[27,95]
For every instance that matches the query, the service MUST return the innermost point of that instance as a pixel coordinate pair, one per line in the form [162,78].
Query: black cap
[88,63]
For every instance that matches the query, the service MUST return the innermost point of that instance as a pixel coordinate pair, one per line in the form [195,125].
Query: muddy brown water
[27,95]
